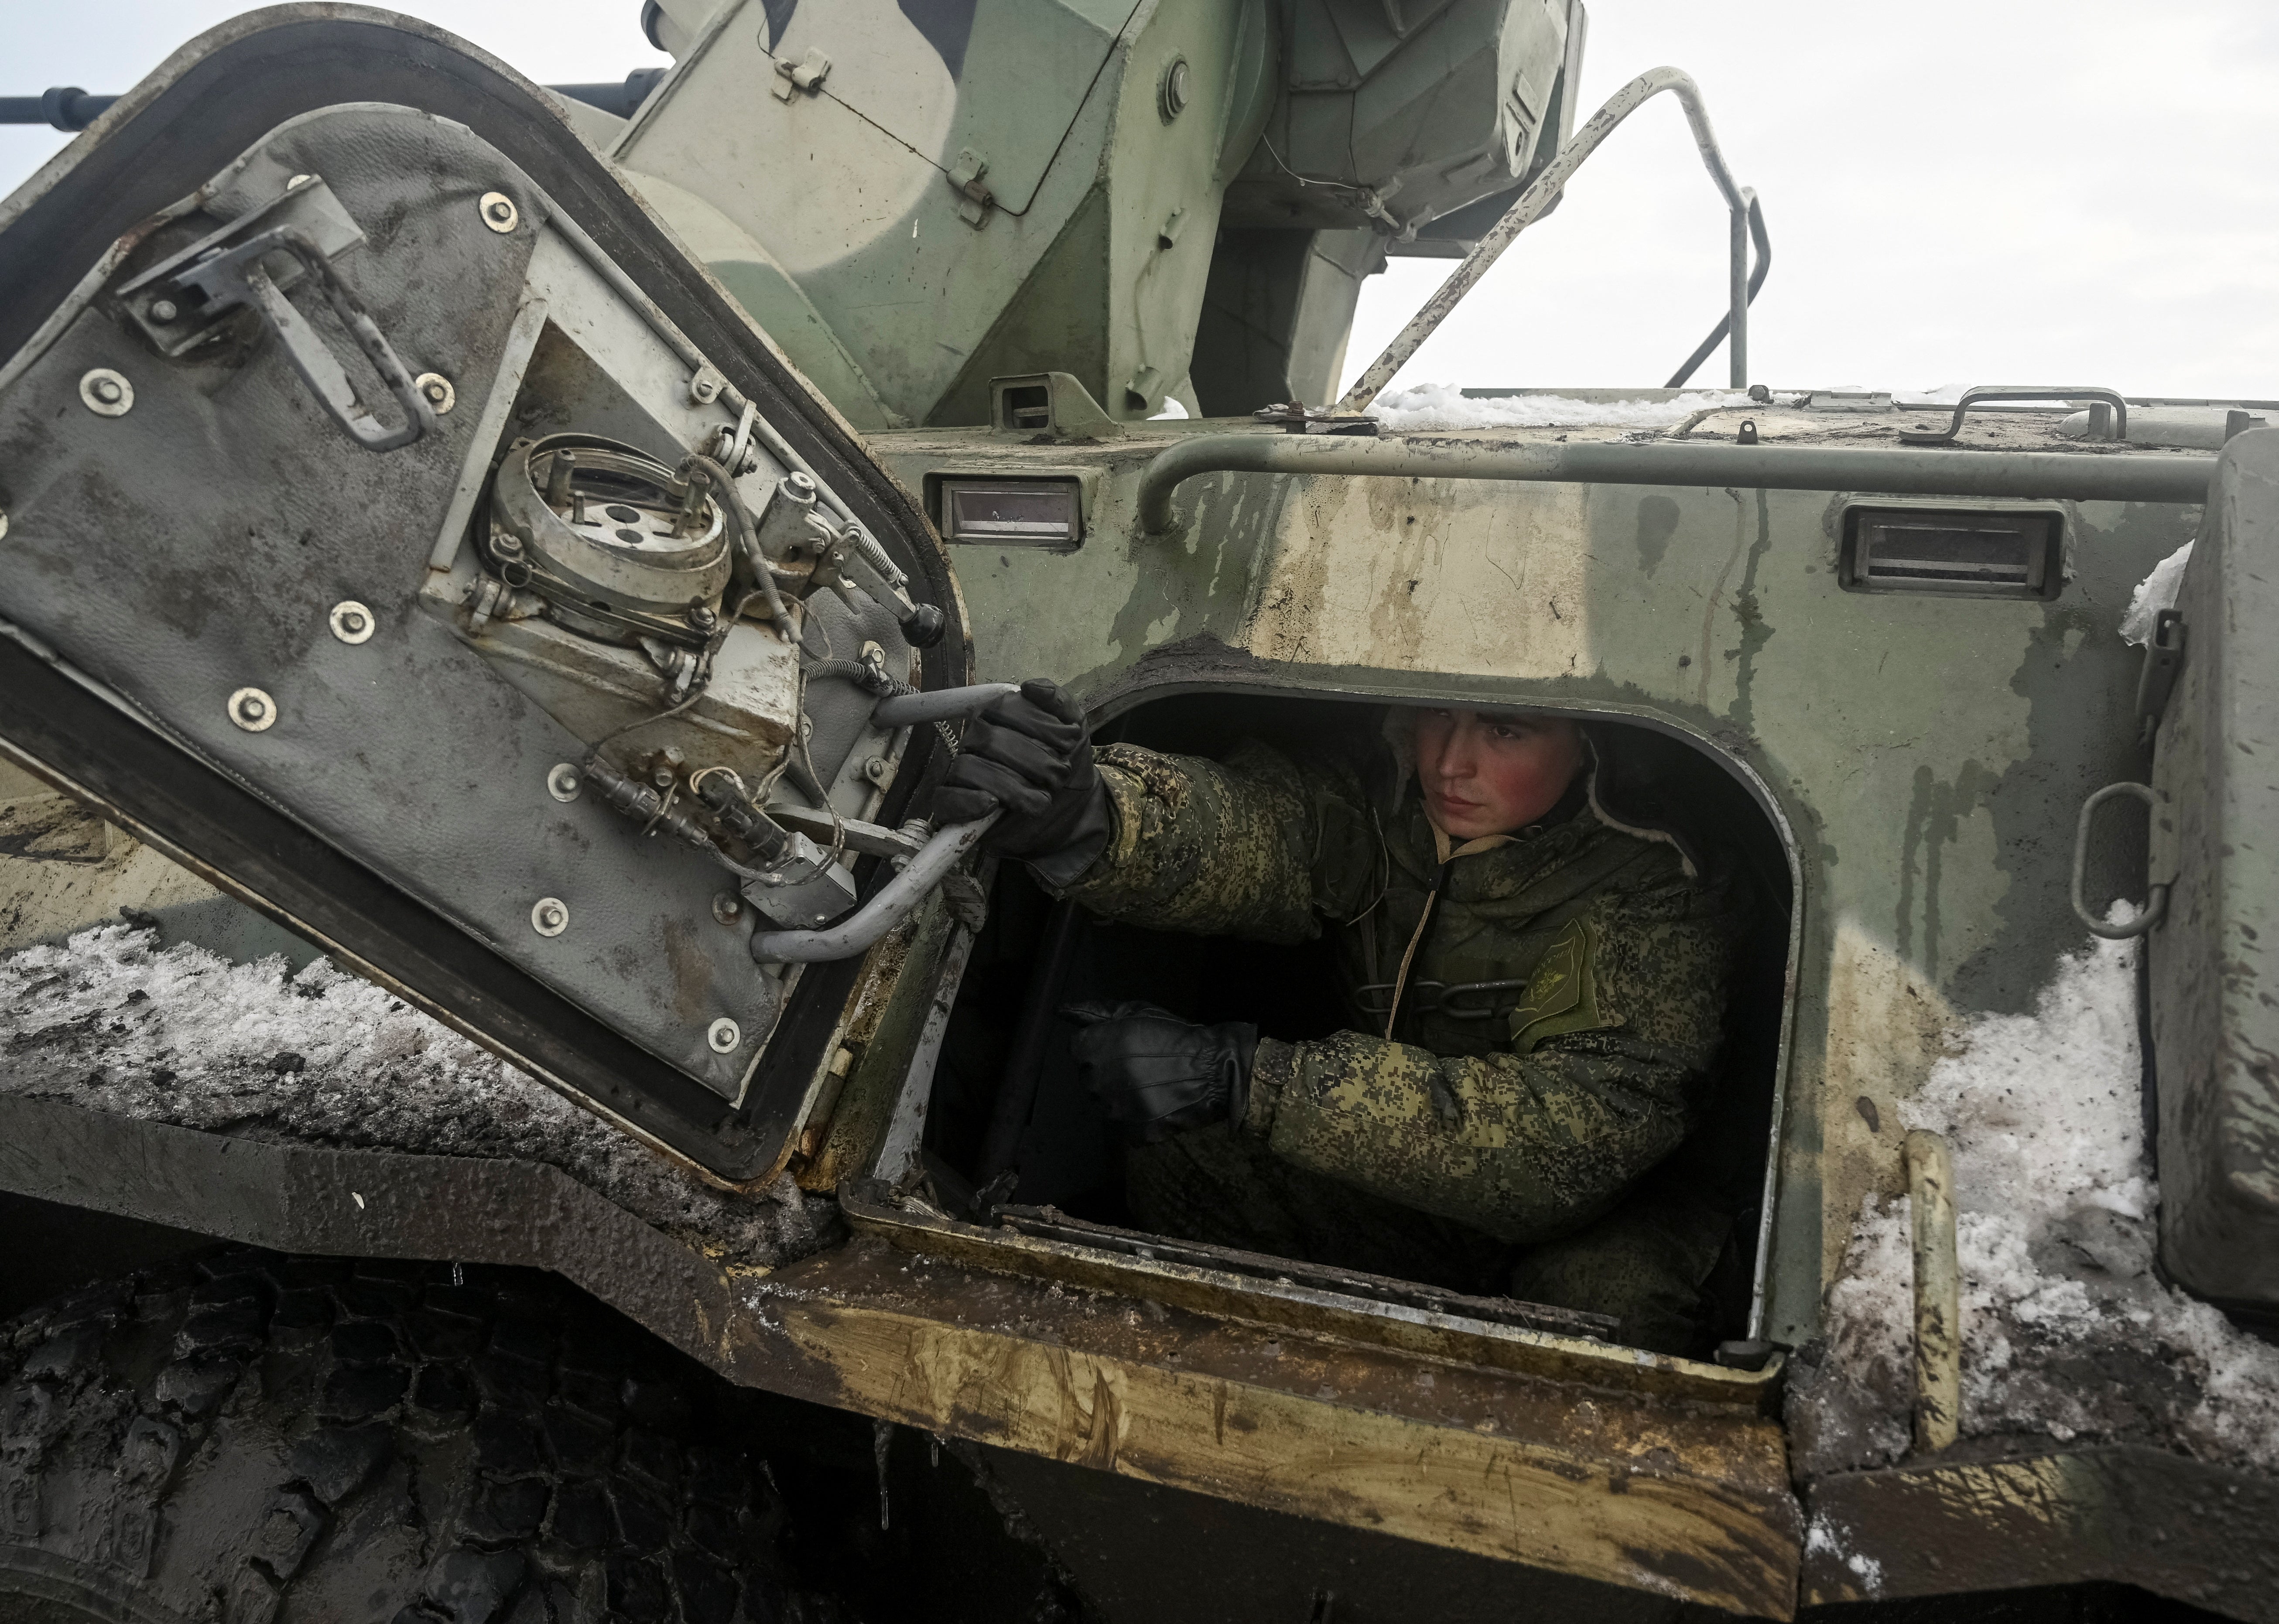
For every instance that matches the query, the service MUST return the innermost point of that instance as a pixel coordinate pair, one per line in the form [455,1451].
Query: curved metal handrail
[1763,263]
[1531,203]
[2065,474]
[2019,391]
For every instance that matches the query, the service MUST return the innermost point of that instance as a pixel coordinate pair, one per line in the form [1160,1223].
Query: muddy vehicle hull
[1904,747]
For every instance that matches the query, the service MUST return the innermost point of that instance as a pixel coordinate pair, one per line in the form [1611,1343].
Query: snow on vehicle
[538,556]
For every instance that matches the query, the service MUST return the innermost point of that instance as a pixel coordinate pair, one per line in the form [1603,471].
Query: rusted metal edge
[1938,1291]
[1679,1499]
[1310,1310]
[2124,1514]
[2078,476]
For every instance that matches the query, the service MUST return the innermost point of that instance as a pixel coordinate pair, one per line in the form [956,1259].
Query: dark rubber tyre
[247,1438]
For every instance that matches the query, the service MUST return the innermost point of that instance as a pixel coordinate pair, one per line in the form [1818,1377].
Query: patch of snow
[114,1021]
[2156,592]
[1446,406]
[2066,1332]
[1821,1539]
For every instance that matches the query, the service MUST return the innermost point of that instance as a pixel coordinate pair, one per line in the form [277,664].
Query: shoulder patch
[1562,995]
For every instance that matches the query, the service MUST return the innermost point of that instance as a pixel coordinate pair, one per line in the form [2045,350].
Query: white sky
[2017,191]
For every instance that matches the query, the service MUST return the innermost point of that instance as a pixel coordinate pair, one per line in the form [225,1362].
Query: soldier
[1535,984]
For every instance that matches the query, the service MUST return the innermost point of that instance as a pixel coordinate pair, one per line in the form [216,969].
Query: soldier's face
[1492,772]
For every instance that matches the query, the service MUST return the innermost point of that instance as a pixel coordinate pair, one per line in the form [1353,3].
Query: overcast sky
[2018,191]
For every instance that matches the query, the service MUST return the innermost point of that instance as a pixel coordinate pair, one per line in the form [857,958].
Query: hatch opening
[1007,1061]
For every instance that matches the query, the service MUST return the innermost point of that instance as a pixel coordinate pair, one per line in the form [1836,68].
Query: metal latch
[807,74]
[978,199]
[2164,661]
[251,261]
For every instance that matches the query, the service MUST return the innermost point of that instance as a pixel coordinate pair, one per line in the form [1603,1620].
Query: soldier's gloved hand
[1156,1074]
[1028,753]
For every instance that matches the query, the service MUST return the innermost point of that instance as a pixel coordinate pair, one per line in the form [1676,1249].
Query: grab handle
[2156,892]
[940,704]
[237,276]
[894,902]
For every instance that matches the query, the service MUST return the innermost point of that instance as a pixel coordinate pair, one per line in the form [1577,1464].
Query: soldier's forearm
[1203,847]
[1522,1147]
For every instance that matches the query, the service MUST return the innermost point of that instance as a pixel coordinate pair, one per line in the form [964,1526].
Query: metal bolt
[702,618]
[1176,88]
[559,467]
[438,390]
[351,621]
[550,916]
[723,1035]
[727,906]
[253,710]
[564,782]
[163,309]
[106,394]
[878,769]
[499,212]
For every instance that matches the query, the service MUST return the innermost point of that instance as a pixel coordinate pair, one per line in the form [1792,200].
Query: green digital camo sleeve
[1256,846]
[1608,1046]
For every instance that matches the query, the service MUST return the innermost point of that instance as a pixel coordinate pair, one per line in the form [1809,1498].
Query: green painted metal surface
[1925,754]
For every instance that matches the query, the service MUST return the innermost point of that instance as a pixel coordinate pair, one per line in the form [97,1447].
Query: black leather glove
[1156,1074]
[1028,753]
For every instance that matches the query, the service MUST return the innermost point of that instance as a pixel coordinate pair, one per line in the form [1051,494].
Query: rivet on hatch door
[253,710]
[564,781]
[351,621]
[438,390]
[1172,95]
[499,212]
[724,1036]
[107,394]
[550,916]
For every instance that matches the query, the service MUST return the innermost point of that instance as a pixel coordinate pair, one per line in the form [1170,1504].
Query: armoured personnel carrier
[525,559]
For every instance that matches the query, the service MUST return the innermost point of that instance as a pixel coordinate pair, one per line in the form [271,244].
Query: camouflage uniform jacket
[1561,1010]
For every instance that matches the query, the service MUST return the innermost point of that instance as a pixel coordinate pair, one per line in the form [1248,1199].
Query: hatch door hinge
[2164,661]
[806,74]
[966,175]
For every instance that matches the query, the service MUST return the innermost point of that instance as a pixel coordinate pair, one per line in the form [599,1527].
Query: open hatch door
[2216,829]
[403,531]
